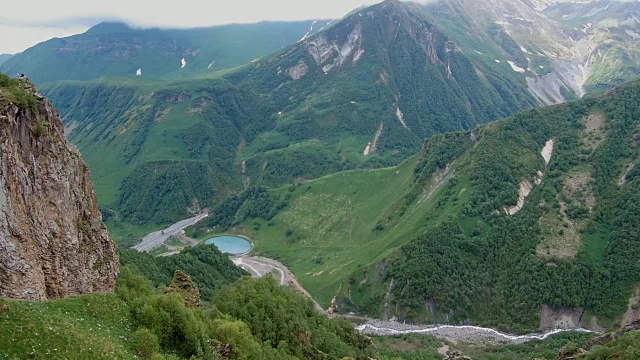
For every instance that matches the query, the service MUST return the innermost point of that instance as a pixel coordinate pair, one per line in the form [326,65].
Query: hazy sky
[26,23]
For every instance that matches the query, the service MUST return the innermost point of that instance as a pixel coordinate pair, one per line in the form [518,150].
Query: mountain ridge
[117,49]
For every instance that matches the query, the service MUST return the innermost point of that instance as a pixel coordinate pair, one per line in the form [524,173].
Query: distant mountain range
[4,57]
[115,49]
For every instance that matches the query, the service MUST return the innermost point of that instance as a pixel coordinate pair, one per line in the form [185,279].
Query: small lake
[230,244]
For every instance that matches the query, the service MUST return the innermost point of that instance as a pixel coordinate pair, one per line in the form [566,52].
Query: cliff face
[52,240]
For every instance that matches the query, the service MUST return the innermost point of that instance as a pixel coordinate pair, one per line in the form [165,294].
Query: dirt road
[156,239]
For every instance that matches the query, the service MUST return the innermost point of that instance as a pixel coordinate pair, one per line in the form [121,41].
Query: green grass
[13,90]
[86,327]
[327,231]
[594,245]
[126,234]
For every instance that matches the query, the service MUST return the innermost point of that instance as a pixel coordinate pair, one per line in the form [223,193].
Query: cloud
[17,38]
[23,26]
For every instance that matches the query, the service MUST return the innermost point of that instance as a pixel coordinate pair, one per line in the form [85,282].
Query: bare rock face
[52,240]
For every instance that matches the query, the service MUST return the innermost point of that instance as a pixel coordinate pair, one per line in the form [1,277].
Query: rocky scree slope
[562,49]
[52,240]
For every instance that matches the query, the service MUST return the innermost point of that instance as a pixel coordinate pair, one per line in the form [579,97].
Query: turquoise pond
[230,244]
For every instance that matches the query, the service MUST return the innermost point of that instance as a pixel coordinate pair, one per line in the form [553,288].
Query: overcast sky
[26,23]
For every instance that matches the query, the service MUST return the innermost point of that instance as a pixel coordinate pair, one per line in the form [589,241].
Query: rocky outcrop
[456,355]
[298,71]
[52,240]
[603,339]
[186,288]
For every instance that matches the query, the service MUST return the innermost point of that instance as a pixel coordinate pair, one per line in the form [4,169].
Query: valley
[417,179]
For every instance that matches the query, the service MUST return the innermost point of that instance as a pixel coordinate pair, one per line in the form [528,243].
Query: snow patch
[547,151]
[358,54]
[401,117]
[211,64]
[183,62]
[308,32]
[515,67]
[498,61]
[367,149]
[139,72]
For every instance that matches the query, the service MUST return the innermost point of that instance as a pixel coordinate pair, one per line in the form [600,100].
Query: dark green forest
[483,266]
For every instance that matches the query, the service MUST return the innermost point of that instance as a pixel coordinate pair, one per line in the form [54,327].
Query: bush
[145,343]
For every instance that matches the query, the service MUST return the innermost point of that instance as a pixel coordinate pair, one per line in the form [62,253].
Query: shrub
[144,343]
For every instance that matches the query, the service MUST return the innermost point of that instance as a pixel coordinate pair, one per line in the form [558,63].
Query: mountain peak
[109,27]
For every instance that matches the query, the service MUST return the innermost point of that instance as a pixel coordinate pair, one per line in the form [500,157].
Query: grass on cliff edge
[84,327]
[13,90]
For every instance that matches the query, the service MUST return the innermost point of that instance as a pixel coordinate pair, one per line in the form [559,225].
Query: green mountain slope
[361,94]
[4,57]
[114,49]
[479,228]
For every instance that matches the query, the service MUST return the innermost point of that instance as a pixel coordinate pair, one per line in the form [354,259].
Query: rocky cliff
[52,240]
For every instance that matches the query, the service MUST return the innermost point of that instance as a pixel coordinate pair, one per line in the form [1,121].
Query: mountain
[4,57]
[514,224]
[607,33]
[115,49]
[53,241]
[363,93]
[562,49]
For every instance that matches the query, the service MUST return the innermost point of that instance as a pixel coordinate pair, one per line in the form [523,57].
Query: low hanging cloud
[23,26]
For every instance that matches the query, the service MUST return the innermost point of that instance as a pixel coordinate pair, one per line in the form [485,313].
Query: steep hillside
[52,240]
[609,33]
[4,57]
[115,49]
[562,49]
[247,319]
[535,210]
[361,94]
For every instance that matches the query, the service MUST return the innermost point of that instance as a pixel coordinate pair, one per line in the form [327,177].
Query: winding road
[156,239]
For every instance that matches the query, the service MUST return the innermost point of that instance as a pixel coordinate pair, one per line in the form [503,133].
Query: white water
[369,328]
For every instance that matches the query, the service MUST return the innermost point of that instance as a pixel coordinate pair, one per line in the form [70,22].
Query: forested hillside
[362,94]
[573,244]
[534,210]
